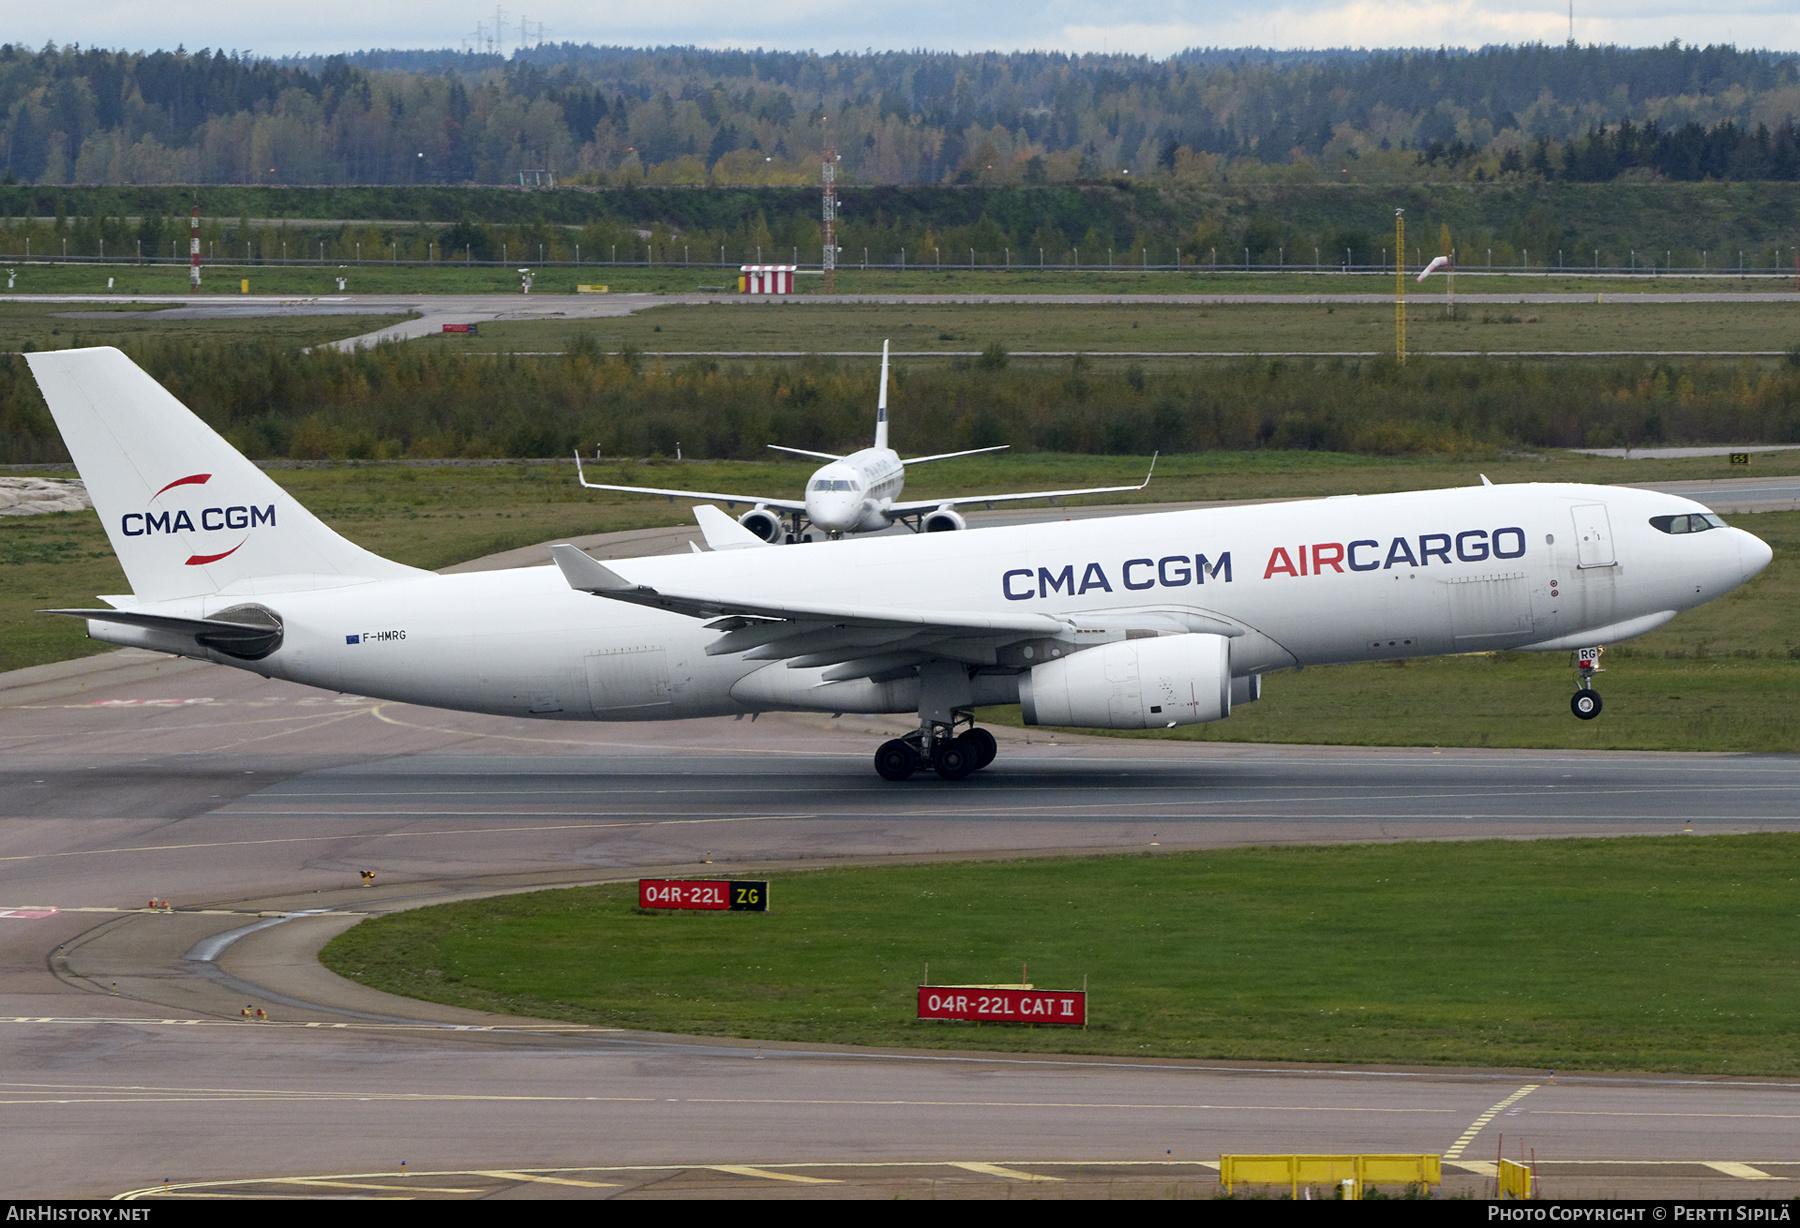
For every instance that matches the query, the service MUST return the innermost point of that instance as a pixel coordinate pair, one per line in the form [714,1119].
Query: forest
[612,116]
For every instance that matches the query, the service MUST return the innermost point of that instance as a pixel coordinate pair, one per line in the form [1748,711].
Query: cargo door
[1593,536]
[628,681]
[1486,611]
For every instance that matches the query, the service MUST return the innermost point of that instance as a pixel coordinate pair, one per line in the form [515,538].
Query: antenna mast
[1400,285]
[829,210]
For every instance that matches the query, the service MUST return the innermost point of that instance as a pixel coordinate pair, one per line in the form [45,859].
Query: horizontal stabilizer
[829,456]
[256,636]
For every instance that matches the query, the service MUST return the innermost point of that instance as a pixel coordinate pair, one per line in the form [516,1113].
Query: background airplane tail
[186,513]
[881,431]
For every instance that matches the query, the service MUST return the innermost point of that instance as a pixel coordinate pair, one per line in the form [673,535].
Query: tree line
[418,401]
[624,116]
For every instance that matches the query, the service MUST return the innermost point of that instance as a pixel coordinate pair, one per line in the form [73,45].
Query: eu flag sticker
[353,639]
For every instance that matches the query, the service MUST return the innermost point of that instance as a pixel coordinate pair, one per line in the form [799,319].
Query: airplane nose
[1753,552]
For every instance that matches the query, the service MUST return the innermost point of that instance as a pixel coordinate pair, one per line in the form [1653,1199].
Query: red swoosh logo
[192,479]
[200,560]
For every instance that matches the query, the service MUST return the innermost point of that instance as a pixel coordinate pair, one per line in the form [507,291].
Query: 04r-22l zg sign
[706,895]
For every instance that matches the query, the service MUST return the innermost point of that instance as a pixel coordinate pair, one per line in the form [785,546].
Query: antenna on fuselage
[881,403]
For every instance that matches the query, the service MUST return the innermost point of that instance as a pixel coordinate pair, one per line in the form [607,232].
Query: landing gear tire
[896,760]
[956,758]
[985,746]
[1585,704]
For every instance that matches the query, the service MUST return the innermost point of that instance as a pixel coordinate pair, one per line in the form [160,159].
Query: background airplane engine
[1139,684]
[764,523]
[945,520]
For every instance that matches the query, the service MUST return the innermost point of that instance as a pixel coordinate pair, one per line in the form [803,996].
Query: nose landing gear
[1585,703]
[951,755]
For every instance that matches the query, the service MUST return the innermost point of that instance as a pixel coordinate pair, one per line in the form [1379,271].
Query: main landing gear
[951,755]
[1585,703]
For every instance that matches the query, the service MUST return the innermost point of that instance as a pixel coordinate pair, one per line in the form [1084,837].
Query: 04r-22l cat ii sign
[1127,622]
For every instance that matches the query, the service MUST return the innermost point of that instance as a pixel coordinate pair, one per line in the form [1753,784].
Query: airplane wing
[804,452]
[856,641]
[875,642]
[786,505]
[900,511]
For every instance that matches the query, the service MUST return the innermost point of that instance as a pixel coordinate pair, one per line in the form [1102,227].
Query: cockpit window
[1697,522]
[825,484]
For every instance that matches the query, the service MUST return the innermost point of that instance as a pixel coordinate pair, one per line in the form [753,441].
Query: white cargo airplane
[1129,622]
[858,493]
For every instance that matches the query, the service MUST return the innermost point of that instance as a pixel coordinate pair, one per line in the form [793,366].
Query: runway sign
[462,328]
[746,895]
[1003,1005]
[1740,458]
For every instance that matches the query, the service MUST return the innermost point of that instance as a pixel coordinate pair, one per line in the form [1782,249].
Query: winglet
[584,574]
[1152,472]
[722,532]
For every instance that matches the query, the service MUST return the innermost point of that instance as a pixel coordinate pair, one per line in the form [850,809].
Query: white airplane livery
[859,493]
[1127,622]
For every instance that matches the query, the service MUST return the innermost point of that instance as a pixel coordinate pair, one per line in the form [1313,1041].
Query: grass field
[1260,328]
[1670,954]
[377,277]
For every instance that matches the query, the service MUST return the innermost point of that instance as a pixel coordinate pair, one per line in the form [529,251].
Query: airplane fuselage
[1317,582]
[848,495]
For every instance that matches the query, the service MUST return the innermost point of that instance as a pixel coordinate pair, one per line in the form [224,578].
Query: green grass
[1674,953]
[222,279]
[1257,328]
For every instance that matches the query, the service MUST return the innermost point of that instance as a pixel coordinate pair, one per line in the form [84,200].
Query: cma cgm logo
[212,520]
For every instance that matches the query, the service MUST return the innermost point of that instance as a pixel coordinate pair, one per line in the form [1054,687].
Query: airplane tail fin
[186,513]
[881,404]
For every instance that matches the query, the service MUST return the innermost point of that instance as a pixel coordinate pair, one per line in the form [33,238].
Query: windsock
[1436,264]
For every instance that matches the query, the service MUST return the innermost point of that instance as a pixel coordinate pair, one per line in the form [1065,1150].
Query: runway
[253,806]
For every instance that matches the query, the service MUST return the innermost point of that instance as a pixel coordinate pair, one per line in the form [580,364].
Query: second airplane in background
[858,493]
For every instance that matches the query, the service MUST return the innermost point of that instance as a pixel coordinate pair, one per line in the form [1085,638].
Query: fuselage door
[1593,536]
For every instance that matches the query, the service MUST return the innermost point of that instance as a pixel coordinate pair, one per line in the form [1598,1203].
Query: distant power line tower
[829,209]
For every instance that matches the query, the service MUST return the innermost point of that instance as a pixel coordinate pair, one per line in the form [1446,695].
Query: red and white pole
[194,252]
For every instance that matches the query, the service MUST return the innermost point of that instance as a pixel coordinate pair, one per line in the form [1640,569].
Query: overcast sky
[1152,27]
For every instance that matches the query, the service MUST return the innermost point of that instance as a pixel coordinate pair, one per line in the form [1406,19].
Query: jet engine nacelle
[764,523]
[1137,684]
[945,520]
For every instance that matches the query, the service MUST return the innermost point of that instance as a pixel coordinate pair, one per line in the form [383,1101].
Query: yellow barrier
[590,289]
[1515,1180]
[1297,1170]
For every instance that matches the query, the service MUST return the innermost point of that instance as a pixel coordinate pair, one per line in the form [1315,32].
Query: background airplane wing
[899,511]
[786,505]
